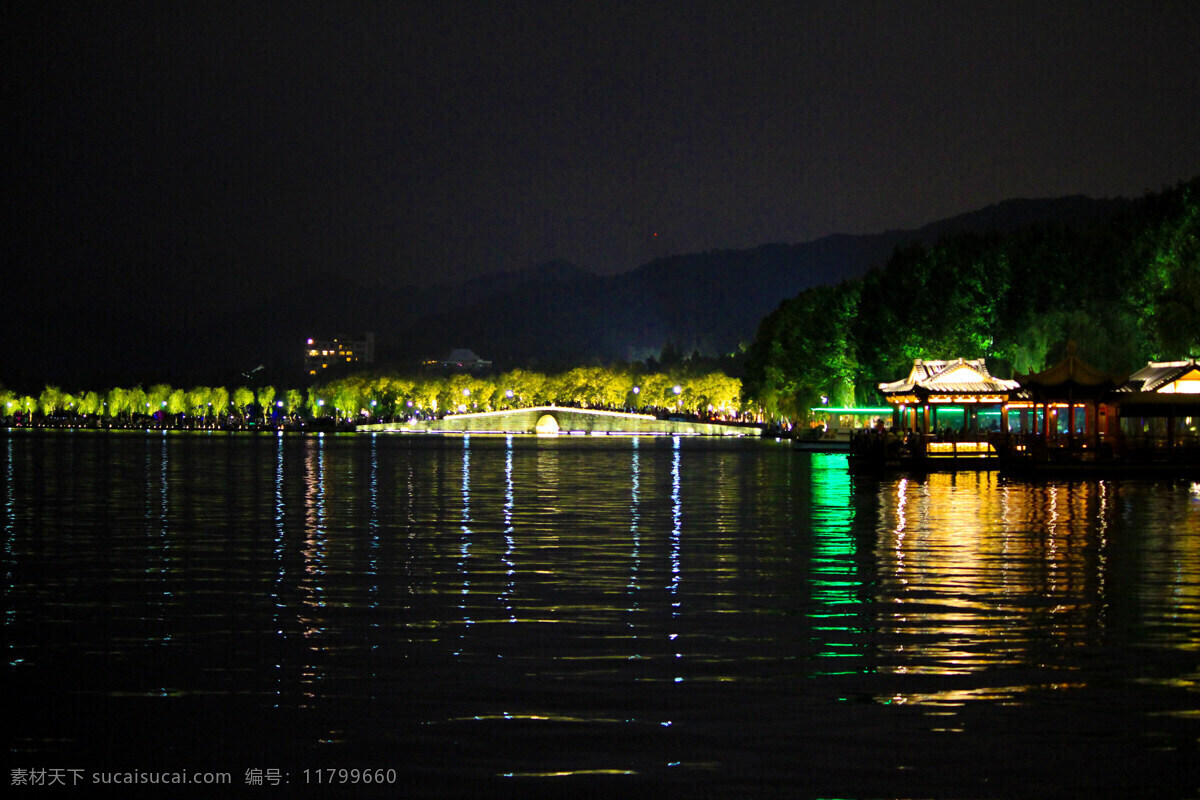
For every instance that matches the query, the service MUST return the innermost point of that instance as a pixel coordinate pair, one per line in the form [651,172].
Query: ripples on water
[487,613]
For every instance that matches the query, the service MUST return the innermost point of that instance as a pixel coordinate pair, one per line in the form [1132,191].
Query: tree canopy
[1126,289]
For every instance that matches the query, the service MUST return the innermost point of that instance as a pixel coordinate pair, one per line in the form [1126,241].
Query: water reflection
[975,575]
[635,555]
[510,540]
[835,584]
[979,575]
[616,606]
[311,616]
[10,554]
[465,540]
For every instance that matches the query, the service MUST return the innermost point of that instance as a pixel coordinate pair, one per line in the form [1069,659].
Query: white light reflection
[280,571]
[156,525]
[10,555]
[165,530]
[676,536]
[634,516]
[313,556]
[465,542]
[373,535]
[510,564]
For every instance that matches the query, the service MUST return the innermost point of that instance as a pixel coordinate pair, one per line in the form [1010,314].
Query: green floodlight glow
[835,410]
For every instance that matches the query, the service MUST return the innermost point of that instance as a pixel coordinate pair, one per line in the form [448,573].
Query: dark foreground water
[491,616]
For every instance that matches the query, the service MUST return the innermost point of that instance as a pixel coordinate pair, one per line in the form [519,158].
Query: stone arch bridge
[559,419]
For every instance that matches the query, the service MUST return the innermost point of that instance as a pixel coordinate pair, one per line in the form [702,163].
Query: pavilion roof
[1070,375]
[1166,377]
[959,376]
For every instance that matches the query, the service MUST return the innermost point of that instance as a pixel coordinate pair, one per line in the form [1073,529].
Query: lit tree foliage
[1124,289]
[804,355]
[266,401]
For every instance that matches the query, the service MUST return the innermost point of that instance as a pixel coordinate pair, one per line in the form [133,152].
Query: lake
[483,616]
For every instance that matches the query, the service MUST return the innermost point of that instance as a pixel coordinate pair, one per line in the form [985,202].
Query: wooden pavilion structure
[1159,406]
[1066,405]
[932,386]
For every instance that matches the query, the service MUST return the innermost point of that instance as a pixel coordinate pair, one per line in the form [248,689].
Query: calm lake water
[517,616]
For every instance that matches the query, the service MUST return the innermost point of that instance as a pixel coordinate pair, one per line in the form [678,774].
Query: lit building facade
[324,354]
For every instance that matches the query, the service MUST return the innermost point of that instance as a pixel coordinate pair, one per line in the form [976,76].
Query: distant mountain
[552,313]
[559,313]
[708,302]
[1011,215]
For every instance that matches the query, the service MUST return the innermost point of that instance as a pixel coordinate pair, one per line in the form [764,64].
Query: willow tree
[293,403]
[177,405]
[136,403]
[157,397]
[717,392]
[8,402]
[27,405]
[218,400]
[266,401]
[50,401]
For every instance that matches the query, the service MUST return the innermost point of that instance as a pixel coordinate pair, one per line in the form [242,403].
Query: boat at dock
[830,441]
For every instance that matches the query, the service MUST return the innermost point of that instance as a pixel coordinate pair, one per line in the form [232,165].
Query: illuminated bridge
[556,419]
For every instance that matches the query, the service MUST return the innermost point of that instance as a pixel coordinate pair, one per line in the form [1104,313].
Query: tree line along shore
[364,398]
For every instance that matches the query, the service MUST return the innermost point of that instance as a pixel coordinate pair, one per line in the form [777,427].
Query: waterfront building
[959,395]
[1160,406]
[1068,404]
[1069,414]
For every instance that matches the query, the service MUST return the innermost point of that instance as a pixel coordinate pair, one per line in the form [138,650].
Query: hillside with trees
[1125,288]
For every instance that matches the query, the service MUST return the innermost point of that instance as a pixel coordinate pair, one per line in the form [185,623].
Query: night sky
[204,147]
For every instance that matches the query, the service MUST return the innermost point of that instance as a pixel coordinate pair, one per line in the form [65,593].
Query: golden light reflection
[974,575]
[569,773]
[952,698]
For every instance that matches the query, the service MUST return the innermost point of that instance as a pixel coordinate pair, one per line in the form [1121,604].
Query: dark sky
[203,144]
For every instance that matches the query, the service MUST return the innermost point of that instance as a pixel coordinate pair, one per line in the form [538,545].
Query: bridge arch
[547,423]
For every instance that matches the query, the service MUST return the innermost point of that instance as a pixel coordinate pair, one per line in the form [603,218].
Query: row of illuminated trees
[200,406]
[384,397]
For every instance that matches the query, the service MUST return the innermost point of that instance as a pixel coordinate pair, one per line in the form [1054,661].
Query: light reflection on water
[566,606]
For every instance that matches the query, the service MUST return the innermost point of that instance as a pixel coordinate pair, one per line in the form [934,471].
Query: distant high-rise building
[325,354]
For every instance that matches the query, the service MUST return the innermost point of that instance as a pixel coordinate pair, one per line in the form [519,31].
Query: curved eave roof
[995,387]
[1071,375]
[1153,377]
